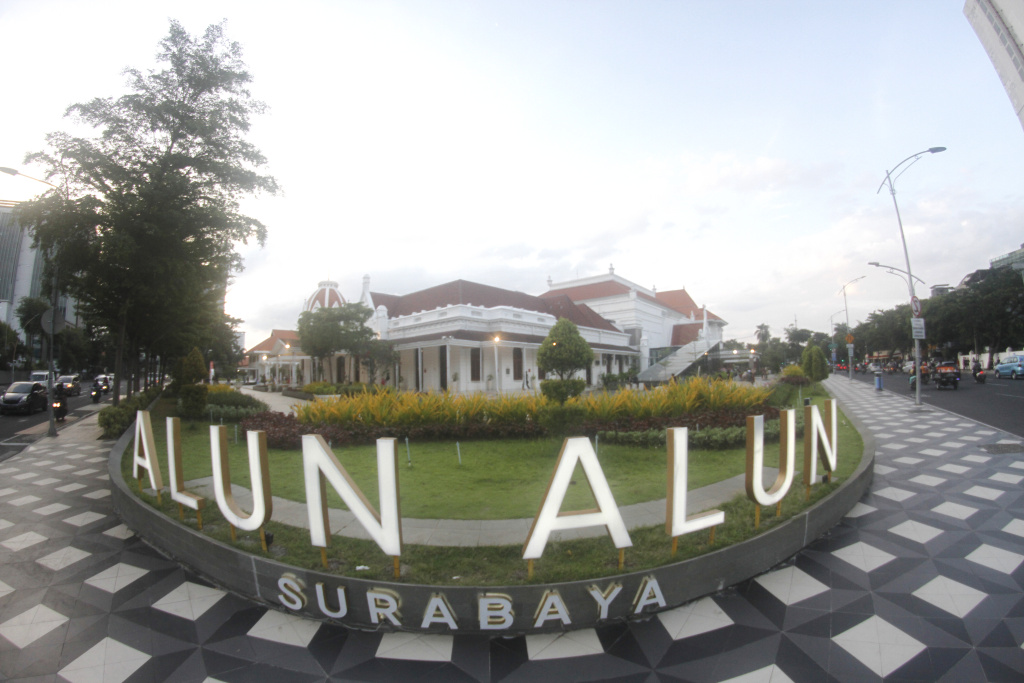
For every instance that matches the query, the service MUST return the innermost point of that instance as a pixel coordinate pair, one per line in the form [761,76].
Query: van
[1012,366]
[41,376]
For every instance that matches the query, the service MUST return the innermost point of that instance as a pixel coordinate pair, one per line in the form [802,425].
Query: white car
[874,367]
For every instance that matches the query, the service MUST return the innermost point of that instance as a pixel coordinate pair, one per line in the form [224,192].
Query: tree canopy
[564,351]
[142,227]
[327,331]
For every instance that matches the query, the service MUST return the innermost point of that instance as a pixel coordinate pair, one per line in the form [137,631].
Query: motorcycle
[96,393]
[60,410]
[979,376]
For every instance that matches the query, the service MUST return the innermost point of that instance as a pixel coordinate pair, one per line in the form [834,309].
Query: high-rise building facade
[999,25]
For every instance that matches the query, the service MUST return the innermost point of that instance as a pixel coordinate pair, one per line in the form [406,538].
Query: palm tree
[764,334]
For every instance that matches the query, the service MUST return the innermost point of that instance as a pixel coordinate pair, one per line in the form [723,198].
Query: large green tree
[564,351]
[146,216]
[813,363]
[327,331]
[30,315]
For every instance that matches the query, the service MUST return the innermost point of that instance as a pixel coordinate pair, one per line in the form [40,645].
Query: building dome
[325,296]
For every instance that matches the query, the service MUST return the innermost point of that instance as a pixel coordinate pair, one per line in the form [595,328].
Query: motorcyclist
[60,398]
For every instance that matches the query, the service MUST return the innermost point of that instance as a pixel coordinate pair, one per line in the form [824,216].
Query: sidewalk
[471,533]
[277,402]
[923,581]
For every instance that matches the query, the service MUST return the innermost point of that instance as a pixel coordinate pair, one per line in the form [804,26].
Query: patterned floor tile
[879,645]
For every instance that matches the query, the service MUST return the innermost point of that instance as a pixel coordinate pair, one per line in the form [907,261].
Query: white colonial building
[468,337]
[668,330]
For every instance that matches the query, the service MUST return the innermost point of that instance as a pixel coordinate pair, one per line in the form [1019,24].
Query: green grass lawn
[496,480]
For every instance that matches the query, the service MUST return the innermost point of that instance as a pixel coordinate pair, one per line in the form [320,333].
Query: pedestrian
[526,379]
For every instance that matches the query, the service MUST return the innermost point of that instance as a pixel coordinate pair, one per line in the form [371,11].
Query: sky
[732,148]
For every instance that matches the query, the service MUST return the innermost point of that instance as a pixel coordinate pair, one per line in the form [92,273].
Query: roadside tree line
[985,314]
[141,226]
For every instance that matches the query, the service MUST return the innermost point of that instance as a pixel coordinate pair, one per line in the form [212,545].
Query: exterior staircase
[678,362]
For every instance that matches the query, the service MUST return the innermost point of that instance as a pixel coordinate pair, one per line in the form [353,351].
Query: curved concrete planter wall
[492,610]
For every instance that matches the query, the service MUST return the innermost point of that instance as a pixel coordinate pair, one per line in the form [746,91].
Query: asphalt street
[996,403]
[19,431]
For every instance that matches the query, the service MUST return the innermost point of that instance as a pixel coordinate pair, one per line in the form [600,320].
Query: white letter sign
[320,466]
[548,519]
[813,428]
[676,522]
[144,442]
[259,479]
[755,459]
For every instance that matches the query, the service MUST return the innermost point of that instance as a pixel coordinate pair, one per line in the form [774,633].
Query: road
[18,431]
[997,403]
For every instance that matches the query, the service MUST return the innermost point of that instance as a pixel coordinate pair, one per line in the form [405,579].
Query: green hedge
[325,388]
[115,420]
[192,401]
[711,438]
[216,413]
[561,390]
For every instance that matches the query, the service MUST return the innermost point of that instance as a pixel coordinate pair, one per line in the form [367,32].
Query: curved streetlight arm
[888,174]
[898,272]
[14,171]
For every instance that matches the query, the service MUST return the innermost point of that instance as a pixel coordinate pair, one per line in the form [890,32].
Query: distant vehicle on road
[72,387]
[947,374]
[1011,365]
[104,381]
[24,397]
[41,376]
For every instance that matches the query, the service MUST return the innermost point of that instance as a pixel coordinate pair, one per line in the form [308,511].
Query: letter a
[144,442]
[548,519]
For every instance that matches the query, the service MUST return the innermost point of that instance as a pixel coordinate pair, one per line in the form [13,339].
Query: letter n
[828,431]
[320,466]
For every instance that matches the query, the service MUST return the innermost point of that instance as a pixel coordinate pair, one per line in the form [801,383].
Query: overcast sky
[731,148]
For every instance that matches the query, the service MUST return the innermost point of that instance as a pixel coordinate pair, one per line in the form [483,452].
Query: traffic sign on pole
[915,306]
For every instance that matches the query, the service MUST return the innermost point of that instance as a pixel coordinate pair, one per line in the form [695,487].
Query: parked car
[24,397]
[72,387]
[1011,365]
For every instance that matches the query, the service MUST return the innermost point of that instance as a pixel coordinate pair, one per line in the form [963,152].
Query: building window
[474,365]
[517,364]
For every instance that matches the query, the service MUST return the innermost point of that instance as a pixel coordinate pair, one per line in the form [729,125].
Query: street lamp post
[849,345]
[898,272]
[890,179]
[52,431]
[832,336]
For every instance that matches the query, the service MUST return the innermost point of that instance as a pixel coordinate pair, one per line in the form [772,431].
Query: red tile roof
[677,299]
[267,344]
[486,296]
